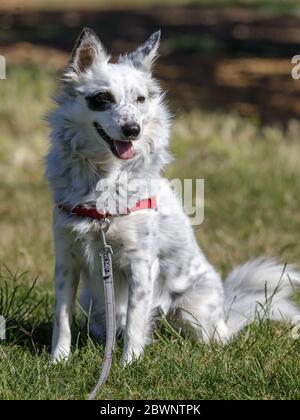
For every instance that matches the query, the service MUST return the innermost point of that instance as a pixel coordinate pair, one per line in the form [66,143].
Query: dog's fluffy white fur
[157,263]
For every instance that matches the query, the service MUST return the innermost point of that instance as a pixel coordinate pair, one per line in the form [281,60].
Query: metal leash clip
[107,272]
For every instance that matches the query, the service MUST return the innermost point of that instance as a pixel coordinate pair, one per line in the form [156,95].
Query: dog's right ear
[87,48]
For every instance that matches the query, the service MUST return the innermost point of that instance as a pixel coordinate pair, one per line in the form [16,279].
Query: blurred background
[226,65]
[222,54]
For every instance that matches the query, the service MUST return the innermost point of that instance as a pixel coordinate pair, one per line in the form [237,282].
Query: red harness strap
[92,213]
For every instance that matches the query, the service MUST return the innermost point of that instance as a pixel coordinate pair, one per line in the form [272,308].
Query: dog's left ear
[87,48]
[146,54]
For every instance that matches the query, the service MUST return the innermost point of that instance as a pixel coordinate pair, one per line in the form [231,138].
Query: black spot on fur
[60,285]
[176,295]
[141,294]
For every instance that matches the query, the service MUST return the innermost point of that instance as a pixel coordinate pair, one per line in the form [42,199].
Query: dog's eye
[141,99]
[101,101]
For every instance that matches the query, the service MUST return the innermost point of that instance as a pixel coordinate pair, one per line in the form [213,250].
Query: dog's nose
[131,130]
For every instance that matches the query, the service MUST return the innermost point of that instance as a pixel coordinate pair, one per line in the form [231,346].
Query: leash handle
[107,273]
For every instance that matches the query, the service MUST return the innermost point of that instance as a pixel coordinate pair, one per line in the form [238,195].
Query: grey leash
[108,284]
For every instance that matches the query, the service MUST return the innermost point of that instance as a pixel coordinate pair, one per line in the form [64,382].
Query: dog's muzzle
[122,149]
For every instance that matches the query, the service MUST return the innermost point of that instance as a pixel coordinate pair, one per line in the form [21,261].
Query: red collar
[91,212]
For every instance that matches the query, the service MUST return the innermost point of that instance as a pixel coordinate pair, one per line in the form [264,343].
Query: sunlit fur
[157,263]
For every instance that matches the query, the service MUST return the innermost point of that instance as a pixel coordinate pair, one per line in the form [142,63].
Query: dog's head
[116,103]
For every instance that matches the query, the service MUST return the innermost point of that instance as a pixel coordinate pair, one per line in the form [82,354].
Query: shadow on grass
[28,311]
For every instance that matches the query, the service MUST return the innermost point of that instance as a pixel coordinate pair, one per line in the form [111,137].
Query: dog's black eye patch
[141,99]
[101,101]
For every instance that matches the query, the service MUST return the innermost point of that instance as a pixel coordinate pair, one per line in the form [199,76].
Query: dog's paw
[126,360]
[130,356]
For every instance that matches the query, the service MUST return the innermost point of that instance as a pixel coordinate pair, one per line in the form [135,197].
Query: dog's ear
[144,56]
[87,48]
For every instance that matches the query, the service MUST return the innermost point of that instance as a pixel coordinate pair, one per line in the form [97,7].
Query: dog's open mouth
[121,149]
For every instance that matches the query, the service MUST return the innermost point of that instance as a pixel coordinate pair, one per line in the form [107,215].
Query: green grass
[263,363]
[252,206]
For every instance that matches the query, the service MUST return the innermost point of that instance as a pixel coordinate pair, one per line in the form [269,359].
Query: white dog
[110,120]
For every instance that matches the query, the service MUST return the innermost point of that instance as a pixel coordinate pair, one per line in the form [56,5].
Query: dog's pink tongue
[124,149]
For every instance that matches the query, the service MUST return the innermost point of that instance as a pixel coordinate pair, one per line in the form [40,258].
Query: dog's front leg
[66,283]
[138,321]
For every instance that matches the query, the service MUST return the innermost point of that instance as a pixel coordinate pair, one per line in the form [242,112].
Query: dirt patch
[216,58]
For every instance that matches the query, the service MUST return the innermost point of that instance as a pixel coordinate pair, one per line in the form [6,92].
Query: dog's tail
[261,288]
